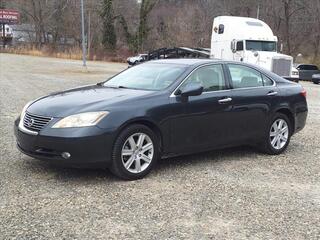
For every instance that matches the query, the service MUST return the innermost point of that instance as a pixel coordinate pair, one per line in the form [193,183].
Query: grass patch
[74,53]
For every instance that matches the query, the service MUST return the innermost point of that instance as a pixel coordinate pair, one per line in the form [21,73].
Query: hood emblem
[30,122]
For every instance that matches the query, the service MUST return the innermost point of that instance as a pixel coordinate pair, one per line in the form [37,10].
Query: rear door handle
[272,93]
[225,100]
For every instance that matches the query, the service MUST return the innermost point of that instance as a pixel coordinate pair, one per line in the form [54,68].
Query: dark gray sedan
[162,109]
[306,71]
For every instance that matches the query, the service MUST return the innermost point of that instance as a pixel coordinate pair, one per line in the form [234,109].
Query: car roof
[306,64]
[186,61]
[195,62]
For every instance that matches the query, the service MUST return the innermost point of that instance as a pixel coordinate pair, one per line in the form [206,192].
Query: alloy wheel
[279,134]
[137,152]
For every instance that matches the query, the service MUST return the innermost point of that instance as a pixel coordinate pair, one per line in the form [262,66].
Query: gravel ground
[231,194]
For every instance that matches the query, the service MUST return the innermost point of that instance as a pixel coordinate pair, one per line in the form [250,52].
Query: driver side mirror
[190,90]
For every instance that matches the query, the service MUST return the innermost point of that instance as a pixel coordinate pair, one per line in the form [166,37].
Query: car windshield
[261,46]
[147,77]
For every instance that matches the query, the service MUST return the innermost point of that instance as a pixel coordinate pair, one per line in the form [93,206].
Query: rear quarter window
[267,81]
[314,67]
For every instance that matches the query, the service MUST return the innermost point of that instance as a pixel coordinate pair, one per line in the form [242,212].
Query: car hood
[83,99]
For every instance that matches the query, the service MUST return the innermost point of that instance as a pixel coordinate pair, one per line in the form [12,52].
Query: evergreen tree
[2,4]
[109,38]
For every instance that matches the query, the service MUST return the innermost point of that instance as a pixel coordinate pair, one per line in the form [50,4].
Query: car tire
[274,141]
[128,159]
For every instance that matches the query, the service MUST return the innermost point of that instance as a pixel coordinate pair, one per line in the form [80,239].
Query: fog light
[66,155]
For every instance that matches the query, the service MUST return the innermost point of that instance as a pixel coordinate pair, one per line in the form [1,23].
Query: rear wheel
[135,152]
[278,135]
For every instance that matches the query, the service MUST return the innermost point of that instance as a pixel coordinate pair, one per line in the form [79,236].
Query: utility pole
[89,33]
[83,36]
[258,11]
[4,35]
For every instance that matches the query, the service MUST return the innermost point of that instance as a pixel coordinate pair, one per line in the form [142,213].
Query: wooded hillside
[115,26]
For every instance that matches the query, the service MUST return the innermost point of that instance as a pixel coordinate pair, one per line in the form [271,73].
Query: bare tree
[136,40]
[148,24]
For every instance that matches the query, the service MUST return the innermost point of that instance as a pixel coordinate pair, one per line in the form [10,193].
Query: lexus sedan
[161,109]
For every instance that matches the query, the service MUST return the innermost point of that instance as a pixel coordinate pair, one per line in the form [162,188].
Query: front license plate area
[26,141]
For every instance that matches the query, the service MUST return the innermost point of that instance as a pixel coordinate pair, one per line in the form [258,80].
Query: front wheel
[135,152]
[278,135]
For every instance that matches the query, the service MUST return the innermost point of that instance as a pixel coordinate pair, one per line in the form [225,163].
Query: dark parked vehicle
[316,78]
[306,71]
[160,109]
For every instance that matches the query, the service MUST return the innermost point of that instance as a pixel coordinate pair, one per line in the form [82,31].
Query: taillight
[303,92]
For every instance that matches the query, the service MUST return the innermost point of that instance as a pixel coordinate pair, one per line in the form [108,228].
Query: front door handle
[225,100]
[272,93]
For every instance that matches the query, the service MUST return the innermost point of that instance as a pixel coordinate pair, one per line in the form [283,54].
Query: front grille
[281,66]
[35,122]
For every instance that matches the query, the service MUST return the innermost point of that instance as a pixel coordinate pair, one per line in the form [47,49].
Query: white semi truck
[242,39]
[249,40]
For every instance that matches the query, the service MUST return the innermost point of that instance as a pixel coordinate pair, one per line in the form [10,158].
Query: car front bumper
[86,147]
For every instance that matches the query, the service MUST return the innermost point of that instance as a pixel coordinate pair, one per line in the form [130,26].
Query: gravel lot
[231,194]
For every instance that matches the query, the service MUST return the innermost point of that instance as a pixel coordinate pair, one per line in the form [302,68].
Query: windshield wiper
[114,86]
[103,82]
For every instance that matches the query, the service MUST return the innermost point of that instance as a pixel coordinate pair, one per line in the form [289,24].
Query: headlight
[81,120]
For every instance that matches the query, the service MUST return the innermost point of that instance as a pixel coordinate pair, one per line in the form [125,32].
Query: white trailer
[249,40]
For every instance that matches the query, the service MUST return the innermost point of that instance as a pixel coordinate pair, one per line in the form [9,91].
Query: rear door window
[245,77]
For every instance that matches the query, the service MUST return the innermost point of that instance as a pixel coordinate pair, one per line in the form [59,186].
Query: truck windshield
[267,46]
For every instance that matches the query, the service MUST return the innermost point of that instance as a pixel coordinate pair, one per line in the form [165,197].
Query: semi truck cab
[249,40]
